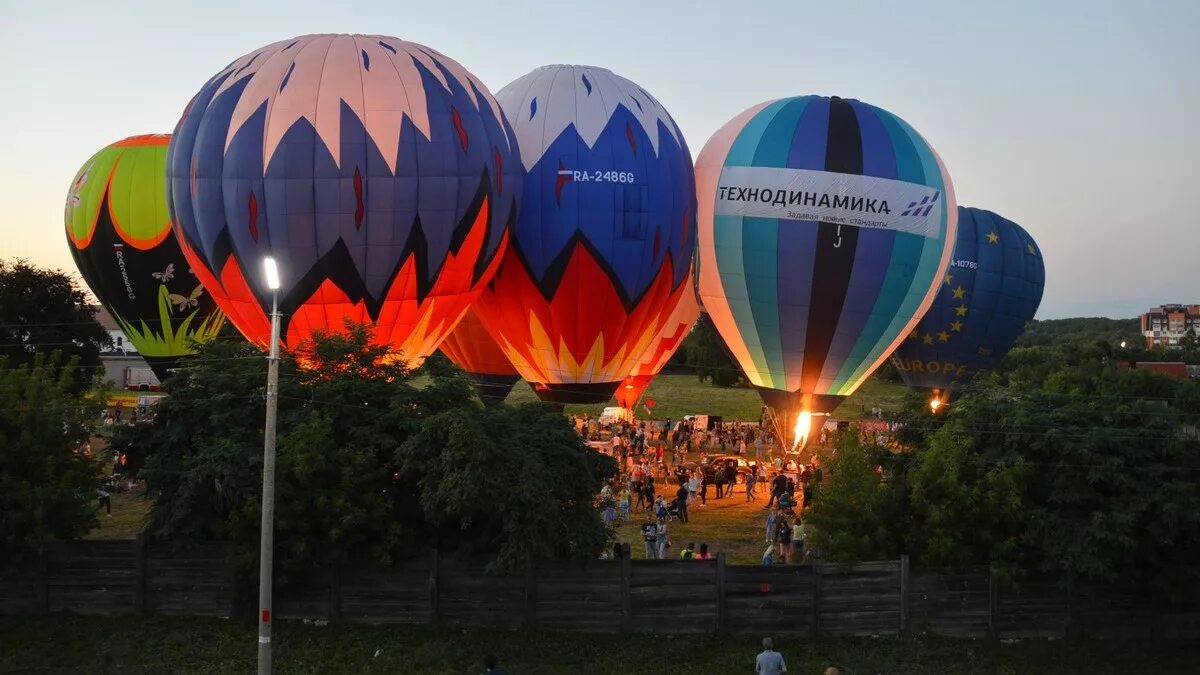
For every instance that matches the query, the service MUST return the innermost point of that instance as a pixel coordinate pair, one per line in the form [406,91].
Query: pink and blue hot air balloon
[379,173]
[602,247]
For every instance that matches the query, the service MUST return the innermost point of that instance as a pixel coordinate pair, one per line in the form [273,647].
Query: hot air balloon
[471,348]
[826,225]
[670,337]
[601,249]
[120,235]
[379,174]
[989,294]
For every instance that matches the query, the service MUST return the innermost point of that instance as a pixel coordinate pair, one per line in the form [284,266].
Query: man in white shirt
[769,661]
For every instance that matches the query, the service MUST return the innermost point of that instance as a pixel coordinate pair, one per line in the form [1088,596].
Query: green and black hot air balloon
[120,234]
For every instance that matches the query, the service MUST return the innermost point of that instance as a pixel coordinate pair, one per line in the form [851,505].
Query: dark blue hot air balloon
[989,294]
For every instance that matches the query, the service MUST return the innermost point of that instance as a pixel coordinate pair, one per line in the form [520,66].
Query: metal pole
[267,546]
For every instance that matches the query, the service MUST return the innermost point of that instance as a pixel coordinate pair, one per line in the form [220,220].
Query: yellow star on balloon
[993,237]
[956,326]
[928,339]
[961,310]
[949,278]
[959,292]
[914,334]
[1030,247]
[944,336]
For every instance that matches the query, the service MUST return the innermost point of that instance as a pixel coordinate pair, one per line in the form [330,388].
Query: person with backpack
[689,552]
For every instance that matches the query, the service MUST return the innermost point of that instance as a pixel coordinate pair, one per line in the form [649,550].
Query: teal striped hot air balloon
[825,226]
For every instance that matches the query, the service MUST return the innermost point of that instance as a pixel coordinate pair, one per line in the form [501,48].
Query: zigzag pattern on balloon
[612,162]
[620,337]
[364,182]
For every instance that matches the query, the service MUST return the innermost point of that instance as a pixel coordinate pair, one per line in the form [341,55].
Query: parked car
[712,462]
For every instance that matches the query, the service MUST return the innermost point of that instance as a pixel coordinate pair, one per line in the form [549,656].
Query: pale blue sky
[1078,120]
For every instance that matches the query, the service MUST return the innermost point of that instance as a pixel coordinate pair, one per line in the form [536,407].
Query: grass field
[199,646]
[679,395]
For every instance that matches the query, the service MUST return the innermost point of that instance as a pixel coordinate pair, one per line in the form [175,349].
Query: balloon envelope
[668,341]
[119,232]
[825,227]
[601,249]
[988,295]
[379,174]
[471,348]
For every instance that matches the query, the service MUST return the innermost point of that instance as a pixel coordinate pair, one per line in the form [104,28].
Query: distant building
[1176,368]
[1166,325]
[123,368]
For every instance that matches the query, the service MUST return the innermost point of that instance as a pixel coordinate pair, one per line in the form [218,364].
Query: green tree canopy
[42,311]
[47,483]
[352,484]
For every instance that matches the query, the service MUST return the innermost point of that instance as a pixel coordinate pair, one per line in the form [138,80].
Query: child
[625,505]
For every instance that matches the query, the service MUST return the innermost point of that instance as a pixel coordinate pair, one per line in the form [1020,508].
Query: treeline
[1060,463]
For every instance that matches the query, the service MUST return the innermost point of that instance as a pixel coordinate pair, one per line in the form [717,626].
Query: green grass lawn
[200,646]
[128,513]
[679,395]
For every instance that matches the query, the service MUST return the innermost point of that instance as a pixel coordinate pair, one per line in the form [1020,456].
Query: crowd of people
[658,483]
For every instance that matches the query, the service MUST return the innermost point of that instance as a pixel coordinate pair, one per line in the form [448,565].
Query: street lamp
[267,541]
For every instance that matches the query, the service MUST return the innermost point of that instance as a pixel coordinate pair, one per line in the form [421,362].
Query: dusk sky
[1075,119]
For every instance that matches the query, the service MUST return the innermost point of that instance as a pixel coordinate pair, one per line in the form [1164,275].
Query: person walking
[769,661]
[751,482]
[783,535]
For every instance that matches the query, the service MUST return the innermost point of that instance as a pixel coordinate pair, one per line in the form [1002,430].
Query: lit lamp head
[271,273]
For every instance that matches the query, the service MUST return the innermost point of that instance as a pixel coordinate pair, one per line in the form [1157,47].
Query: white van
[612,415]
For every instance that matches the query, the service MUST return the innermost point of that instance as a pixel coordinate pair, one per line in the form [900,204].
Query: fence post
[993,600]
[139,573]
[626,601]
[816,596]
[530,595]
[722,613]
[905,592]
[434,610]
[335,593]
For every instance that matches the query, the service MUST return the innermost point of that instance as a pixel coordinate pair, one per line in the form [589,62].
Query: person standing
[798,541]
[771,518]
[663,538]
[650,537]
[769,661]
[751,481]
[681,501]
[783,535]
[719,479]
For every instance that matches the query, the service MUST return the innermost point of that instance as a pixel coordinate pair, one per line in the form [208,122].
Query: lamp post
[267,541]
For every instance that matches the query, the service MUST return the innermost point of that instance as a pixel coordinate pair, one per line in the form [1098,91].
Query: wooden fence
[701,596]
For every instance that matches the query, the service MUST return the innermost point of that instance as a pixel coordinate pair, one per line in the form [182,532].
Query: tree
[346,491]
[42,311]
[707,357]
[964,510]
[47,482]
[515,482]
[855,514]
